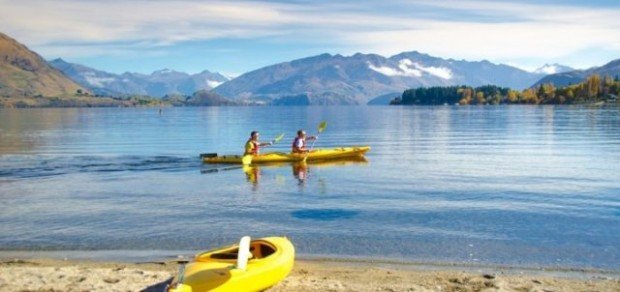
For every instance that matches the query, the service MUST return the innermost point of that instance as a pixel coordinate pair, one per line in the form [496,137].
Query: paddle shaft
[322,127]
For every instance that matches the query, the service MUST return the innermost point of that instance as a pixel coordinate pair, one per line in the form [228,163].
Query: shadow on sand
[159,287]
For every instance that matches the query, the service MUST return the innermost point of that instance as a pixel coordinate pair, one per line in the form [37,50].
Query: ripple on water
[324,214]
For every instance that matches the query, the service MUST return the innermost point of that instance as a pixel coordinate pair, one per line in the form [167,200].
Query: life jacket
[252,147]
[296,141]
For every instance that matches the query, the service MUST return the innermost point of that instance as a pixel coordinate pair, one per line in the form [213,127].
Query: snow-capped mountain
[611,69]
[157,84]
[552,69]
[337,79]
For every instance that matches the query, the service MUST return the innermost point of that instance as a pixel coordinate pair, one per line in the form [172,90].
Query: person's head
[254,135]
[301,133]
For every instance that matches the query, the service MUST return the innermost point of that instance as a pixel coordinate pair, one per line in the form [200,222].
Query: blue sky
[234,37]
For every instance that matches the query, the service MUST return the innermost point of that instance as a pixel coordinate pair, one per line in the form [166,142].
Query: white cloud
[154,23]
[538,31]
[515,31]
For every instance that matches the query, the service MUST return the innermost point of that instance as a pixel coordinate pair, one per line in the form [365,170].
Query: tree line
[594,89]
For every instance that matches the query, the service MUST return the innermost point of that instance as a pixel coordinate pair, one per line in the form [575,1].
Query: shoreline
[40,274]
[168,257]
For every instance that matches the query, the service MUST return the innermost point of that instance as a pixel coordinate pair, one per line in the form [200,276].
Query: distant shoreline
[167,105]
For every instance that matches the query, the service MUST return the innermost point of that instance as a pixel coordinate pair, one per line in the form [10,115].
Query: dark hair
[253,133]
[300,132]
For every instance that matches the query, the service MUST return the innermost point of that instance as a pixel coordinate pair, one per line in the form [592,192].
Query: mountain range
[336,79]
[23,73]
[319,80]
[157,84]
[572,77]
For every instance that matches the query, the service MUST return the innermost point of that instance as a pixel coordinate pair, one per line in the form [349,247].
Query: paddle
[247,159]
[322,127]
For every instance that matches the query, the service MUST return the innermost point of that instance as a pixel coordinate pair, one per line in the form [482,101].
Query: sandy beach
[307,275]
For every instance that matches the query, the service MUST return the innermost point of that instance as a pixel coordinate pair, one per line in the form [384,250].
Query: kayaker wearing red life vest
[252,146]
[299,144]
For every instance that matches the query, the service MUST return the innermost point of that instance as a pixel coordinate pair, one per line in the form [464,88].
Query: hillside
[208,98]
[611,69]
[23,73]
[337,79]
[157,84]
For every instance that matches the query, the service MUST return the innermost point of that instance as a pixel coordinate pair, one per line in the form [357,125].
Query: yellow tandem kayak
[315,155]
[261,264]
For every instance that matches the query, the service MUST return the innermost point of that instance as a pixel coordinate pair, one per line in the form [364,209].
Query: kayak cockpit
[258,249]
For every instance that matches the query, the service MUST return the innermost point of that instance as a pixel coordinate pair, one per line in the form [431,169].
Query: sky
[234,37]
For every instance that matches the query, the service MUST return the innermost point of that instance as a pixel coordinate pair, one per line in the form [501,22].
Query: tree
[593,84]
[546,93]
[570,94]
[465,94]
[480,98]
[512,96]
[529,96]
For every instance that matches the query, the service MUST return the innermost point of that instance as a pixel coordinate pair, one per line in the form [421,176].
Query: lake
[510,185]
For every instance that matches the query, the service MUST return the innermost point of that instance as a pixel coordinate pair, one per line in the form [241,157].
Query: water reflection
[25,130]
[301,170]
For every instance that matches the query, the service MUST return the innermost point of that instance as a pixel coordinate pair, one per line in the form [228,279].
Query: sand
[307,275]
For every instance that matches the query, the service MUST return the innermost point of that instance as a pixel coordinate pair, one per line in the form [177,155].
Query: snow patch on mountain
[408,68]
[96,81]
[404,69]
[440,72]
[213,83]
[552,69]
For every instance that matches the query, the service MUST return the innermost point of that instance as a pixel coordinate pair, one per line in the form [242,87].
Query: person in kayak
[252,146]
[299,144]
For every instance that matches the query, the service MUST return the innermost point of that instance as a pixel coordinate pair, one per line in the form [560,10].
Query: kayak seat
[266,250]
[224,256]
[258,249]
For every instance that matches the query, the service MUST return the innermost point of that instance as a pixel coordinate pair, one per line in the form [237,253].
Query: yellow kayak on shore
[248,266]
[314,155]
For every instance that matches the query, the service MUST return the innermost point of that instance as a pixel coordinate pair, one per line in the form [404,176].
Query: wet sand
[307,275]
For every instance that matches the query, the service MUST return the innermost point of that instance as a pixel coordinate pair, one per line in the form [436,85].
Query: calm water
[511,185]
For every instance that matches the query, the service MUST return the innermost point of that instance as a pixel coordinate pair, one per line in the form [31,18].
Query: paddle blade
[277,139]
[322,126]
[246,160]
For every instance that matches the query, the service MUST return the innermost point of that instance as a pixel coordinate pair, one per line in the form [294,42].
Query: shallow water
[514,185]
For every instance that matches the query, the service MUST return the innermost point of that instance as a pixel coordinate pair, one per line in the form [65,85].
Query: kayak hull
[315,155]
[272,260]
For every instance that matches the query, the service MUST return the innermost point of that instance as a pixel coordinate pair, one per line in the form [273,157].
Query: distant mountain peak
[166,71]
[572,76]
[157,84]
[553,69]
[58,60]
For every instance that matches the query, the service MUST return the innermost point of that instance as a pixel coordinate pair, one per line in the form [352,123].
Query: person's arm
[312,138]
[266,144]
